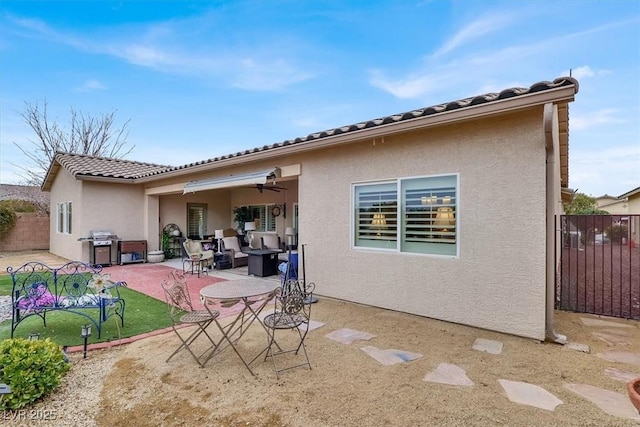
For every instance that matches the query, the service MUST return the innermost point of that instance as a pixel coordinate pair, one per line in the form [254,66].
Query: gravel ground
[5,308]
[75,402]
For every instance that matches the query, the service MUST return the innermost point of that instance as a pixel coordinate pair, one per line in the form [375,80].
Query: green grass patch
[142,314]
[5,285]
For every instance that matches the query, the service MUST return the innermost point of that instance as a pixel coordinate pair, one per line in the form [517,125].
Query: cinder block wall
[31,232]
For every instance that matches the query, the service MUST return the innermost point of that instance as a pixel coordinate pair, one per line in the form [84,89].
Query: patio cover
[232,181]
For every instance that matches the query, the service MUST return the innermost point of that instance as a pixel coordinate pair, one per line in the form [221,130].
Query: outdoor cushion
[272,242]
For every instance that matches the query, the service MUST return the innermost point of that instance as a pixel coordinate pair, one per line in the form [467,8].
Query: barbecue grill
[101,242]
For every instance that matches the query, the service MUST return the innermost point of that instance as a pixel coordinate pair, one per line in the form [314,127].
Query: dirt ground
[133,385]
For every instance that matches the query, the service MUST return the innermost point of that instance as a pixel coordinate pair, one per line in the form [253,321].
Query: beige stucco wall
[66,189]
[498,281]
[620,207]
[634,221]
[96,206]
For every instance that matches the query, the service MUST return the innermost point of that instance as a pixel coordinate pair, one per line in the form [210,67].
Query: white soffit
[232,181]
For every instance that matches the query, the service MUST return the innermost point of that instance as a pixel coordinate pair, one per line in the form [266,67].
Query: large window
[196,220]
[415,215]
[63,214]
[263,218]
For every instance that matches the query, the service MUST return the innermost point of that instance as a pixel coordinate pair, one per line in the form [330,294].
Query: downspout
[553,205]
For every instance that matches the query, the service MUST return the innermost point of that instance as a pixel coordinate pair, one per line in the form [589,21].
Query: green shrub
[615,233]
[19,205]
[31,368]
[7,220]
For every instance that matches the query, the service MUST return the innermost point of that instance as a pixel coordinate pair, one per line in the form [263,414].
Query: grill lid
[101,235]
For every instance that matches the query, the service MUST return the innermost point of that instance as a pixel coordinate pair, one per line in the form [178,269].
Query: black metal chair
[291,312]
[182,314]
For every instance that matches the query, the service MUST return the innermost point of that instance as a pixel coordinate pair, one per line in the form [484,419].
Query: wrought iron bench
[75,287]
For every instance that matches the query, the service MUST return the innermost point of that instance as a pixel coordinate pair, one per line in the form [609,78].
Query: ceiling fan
[262,187]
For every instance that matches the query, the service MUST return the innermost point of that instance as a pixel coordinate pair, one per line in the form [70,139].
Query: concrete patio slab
[616,404]
[390,356]
[488,346]
[530,394]
[348,336]
[447,373]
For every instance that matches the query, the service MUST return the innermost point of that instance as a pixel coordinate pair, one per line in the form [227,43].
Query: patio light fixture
[219,234]
[85,333]
[289,232]
[249,226]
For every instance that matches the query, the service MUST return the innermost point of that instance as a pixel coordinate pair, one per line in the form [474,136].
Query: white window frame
[413,215]
[262,217]
[196,211]
[64,217]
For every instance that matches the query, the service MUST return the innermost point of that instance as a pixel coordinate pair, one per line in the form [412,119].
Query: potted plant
[166,244]
[241,215]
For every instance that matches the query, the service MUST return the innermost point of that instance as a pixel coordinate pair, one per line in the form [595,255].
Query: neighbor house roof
[21,192]
[630,193]
[87,167]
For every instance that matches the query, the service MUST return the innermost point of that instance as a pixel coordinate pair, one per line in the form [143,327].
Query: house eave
[557,95]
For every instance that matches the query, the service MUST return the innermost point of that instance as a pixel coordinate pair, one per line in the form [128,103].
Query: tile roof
[630,193]
[124,169]
[80,164]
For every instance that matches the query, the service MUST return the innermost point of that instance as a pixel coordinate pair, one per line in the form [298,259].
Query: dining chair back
[292,312]
[181,313]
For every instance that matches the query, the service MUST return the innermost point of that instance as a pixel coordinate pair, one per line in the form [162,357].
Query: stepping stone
[618,374]
[530,394]
[616,404]
[488,346]
[587,321]
[577,347]
[313,324]
[447,373]
[611,339]
[620,356]
[618,332]
[390,356]
[347,336]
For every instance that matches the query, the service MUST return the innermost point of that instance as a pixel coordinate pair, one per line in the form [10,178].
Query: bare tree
[95,136]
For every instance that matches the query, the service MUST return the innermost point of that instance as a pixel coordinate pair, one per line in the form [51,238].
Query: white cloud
[594,118]
[474,31]
[174,47]
[91,85]
[612,170]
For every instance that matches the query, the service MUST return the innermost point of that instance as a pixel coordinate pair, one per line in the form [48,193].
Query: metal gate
[599,265]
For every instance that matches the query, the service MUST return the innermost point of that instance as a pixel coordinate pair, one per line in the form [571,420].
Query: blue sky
[199,79]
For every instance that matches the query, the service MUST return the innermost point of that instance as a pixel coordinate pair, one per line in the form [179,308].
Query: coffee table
[263,262]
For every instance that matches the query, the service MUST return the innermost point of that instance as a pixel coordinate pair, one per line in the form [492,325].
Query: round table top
[238,289]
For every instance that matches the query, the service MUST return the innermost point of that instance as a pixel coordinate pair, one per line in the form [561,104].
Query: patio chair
[238,258]
[182,314]
[271,242]
[291,313]
[194,250]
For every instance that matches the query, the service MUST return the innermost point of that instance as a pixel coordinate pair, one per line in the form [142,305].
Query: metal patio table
[253,295]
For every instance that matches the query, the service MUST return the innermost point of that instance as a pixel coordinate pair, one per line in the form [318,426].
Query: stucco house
[613,205]
[446,212]
[632,199]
